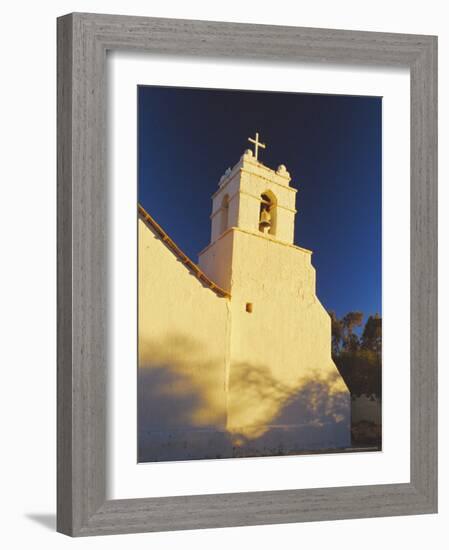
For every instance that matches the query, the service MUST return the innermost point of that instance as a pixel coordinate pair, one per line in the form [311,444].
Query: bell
[265,219]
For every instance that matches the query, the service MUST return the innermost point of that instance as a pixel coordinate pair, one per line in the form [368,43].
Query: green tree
[358,359]
[337,333]
[343,335]
[372,334]
[352,320]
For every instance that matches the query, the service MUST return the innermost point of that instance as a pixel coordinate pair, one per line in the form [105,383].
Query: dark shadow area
[180,385]
[181,401]
[167,399]
[46,520]
[313,403]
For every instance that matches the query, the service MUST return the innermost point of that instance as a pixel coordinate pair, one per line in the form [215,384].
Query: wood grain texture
[64,277]
[83,40]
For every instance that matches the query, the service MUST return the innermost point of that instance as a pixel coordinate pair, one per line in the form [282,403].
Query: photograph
[259,273]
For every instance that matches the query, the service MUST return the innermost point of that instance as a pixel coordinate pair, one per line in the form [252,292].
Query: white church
[235,350]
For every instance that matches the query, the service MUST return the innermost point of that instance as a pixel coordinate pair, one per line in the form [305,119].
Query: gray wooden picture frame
[83,40]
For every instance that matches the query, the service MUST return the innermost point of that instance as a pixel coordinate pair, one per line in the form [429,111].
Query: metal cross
[257,144]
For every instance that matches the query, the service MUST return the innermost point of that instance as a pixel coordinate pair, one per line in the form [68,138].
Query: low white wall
[366,408]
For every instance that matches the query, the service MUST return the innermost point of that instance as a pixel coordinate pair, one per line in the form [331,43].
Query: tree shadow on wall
[185,413]
[269,417]
[179,385]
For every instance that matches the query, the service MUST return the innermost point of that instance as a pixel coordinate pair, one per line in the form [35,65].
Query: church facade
[235,351]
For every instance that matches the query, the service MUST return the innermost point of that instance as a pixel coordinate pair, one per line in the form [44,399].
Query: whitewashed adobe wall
[367,408]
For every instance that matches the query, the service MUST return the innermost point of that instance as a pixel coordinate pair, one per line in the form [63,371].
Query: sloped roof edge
[191,266]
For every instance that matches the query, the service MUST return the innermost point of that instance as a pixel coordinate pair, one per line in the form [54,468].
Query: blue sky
[330,144]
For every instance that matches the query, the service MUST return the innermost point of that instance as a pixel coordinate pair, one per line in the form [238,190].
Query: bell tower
[253,199]
[278,334]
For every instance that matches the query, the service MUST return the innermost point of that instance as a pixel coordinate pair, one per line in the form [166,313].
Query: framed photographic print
[246,274]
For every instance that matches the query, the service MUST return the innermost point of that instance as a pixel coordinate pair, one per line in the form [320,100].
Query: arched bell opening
[267,213]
